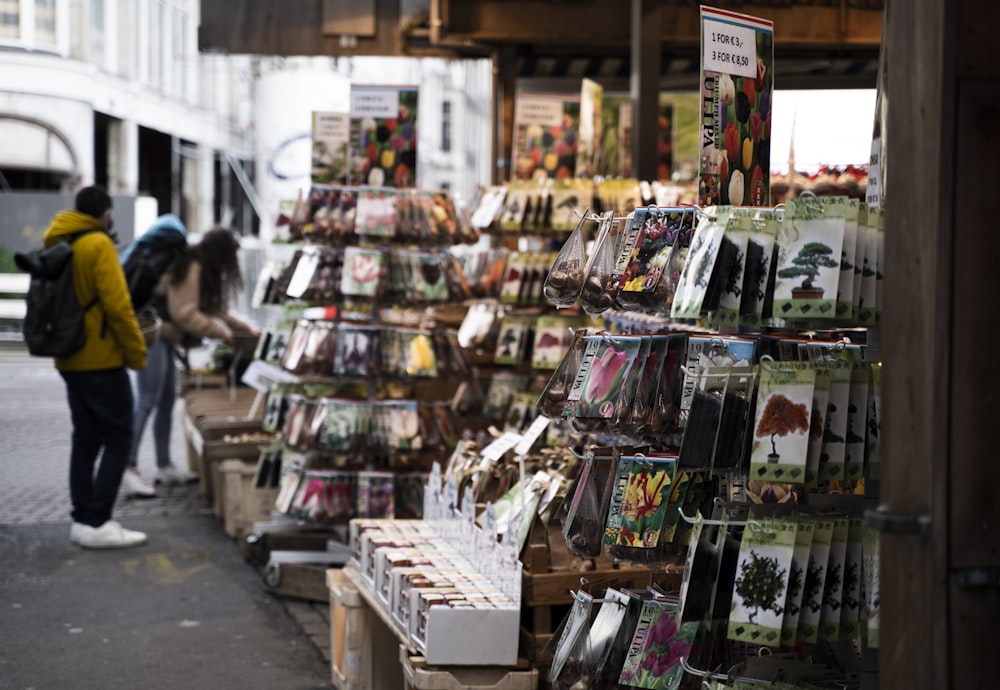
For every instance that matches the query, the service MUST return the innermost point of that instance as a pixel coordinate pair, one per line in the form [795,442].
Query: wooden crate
[419,676]
[208,446]
[242,503]
[298,580]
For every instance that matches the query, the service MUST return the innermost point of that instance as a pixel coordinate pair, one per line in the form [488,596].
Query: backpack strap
[70,239]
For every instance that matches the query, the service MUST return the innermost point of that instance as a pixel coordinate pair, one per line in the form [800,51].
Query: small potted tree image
[760,584]
[781,417]
[806,265]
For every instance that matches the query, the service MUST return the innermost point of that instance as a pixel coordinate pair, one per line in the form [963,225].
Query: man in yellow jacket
[97,383]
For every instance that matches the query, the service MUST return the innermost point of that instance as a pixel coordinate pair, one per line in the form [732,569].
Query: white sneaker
[135,485]
[172,475]
[110,535]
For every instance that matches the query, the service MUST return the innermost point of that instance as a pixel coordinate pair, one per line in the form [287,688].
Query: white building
[115,92]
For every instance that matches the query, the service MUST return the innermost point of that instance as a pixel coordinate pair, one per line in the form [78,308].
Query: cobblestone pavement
[35,434]
[34,465]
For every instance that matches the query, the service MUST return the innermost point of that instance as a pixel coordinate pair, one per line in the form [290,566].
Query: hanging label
[259,375]
[495,450]
[729,47]
[531,435]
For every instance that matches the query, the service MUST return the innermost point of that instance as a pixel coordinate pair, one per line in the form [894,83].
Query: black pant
[100,405]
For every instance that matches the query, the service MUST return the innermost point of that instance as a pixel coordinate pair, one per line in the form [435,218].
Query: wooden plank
[543,21]
[549,589]
[973,645]
[303,581]
[975,512]
[915,344]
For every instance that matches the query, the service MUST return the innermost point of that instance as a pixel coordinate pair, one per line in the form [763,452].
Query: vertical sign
[591,96]
[737,83]
[331,135]
[545,140]
[384,135]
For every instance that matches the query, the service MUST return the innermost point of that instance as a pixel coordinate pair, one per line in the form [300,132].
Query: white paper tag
[495,450]
[259,375]
[531,435]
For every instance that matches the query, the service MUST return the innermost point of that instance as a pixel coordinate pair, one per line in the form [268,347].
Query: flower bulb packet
[640,510]
[565,278]
[658,230]
[604,368]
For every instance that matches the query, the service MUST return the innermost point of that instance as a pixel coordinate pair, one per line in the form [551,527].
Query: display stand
[364,636]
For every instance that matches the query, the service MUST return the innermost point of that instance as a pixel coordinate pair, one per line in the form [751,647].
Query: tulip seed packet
[604,630]
[362,273]
[702,428]
[796,581]
[810,242]
[817,424]
[573,630]
[299,336]
[711,351]
[859,260]
[374,495]
[879,264]
[604,368]
[759,267]
[871,586]
[868,313]
[697,272]
[375,213]
[569,195]
[852,594]
[857,422]
[616,503]
[730,443]
[657,645]
[658,231]
[553,337]
[512,343]
[760,591]
[726,317]
[833,451]
[781,427]
[429,280]
[396,424]
[644,504]
[873,462]
[679,490]
[845,286]
[354,348]
[833,585]
[419,355]
[815,581]
[345,423]
[514,277]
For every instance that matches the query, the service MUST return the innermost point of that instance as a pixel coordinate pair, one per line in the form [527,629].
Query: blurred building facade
[115,92]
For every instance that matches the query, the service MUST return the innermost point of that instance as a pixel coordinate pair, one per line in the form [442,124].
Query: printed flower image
[657,663]
[644,505]
[385,149]
[548,151]
[742,118]
[770,492]
[604,380]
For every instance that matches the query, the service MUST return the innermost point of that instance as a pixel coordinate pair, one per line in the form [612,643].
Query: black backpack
[53,324]
[147,262]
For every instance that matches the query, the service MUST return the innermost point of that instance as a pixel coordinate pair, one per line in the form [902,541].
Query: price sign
[729,48]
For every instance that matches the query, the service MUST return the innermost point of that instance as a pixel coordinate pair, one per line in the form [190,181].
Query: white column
[124,145]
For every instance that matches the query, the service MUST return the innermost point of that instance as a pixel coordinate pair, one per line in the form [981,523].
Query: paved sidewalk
[183,611]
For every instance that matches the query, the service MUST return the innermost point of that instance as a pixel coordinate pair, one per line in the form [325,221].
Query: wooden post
[645,87]
[941,379]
